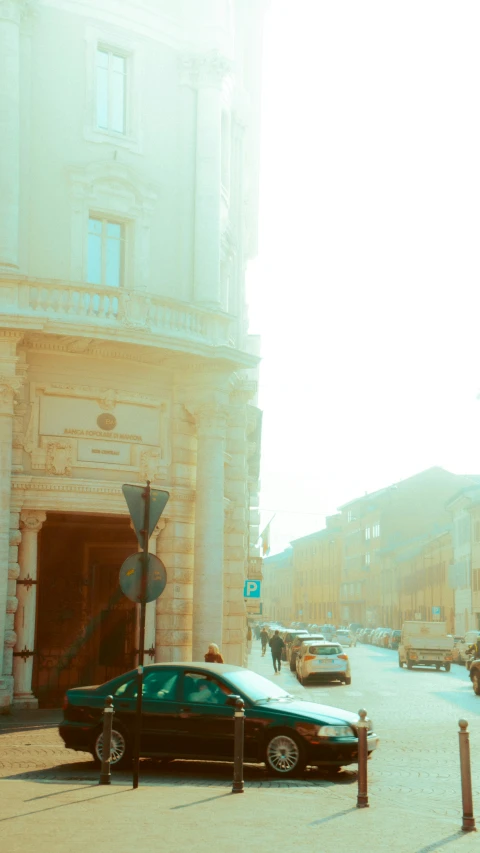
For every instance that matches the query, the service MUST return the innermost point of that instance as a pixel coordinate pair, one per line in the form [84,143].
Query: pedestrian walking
[264,640]
[213,655]
[276,645]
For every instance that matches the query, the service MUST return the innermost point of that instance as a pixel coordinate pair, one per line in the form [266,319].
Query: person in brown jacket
[213,655]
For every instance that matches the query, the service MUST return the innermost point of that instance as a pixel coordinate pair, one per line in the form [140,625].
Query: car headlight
[335,731]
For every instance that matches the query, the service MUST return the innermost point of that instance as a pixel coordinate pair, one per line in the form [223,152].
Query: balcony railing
[63,304]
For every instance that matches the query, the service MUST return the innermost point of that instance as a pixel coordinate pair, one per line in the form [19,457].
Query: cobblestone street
[415,714]
[415,773]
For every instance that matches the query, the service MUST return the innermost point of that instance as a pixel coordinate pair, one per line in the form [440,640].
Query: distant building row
[409,551]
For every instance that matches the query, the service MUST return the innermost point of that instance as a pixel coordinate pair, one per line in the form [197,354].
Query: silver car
[323,661]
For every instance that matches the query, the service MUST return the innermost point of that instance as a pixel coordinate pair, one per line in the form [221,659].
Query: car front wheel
[476,682]
[120,752]
[284,755]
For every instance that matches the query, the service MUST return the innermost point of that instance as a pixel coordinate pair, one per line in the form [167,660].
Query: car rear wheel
[476,682]
[121,754]
[437,666]
[447,667]
[400,663]
[293,665]
[284,755]
[409,664]
[347,679]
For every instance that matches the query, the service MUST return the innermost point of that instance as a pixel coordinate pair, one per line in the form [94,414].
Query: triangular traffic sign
[134,496]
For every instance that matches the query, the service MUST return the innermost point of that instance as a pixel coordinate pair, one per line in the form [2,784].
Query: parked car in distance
[457,643]
[345,637]
[355,627]
[464,656]
[322,661]
[296,645]
[187,714]
[292,640]
[385,637]
[394,639]
[364,636]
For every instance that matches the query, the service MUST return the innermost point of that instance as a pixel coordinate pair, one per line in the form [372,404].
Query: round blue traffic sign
[131,578]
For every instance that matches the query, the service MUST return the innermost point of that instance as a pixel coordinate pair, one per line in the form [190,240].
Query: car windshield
[257,688]
[325,650]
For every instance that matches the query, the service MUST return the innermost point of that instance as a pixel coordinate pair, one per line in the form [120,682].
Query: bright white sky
[366,287]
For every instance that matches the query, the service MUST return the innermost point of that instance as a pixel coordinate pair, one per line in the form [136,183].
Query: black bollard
[239,724]
[468,822]
[105,773]
[362,797]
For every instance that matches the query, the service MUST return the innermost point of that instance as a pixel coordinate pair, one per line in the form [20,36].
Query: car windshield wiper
[285,698]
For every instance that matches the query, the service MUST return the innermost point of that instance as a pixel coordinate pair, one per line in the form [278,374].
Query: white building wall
[169,344]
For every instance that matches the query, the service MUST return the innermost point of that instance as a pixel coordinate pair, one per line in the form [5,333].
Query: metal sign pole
[141,650]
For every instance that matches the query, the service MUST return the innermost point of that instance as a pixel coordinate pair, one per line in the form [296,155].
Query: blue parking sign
[251,589]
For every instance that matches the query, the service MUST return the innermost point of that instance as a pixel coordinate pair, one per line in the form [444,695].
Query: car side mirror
[234,701]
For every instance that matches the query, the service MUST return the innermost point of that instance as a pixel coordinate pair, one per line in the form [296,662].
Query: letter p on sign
[251,589]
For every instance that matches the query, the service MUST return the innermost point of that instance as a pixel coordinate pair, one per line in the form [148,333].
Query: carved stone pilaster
[31,522]
[9,389]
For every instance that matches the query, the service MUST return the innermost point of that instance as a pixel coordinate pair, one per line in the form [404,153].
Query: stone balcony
[59,307]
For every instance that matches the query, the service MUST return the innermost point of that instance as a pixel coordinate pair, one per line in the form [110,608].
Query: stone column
[9,385]
[209,530]
[10,16]
[210,73]
[30,523]
[174,607]
[173,639]
[236,530]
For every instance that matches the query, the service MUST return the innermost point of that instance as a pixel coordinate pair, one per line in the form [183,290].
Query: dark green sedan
[185,714]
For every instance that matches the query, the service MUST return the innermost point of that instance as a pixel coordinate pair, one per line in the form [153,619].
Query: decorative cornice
[117,176]
[107,398]
[26,483]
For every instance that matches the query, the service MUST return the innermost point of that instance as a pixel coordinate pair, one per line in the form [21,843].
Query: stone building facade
[128,214]
[278,586]
[378,526]
[317,569]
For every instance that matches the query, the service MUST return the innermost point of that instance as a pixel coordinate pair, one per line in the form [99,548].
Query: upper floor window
[376,531]
[105,252]
[111,87]
[349,515]
[367,533]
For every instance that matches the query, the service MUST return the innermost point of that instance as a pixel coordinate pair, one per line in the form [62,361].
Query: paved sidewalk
[58,818]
